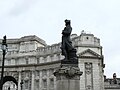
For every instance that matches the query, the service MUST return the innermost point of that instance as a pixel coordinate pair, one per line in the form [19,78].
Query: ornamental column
[19,80]
[32,79]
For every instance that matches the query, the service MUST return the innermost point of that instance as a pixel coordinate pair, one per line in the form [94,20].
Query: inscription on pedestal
[68,77]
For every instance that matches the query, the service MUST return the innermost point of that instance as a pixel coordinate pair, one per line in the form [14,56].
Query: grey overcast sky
[45,18]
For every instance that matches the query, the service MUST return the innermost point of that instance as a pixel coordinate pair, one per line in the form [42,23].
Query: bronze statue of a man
[66,46]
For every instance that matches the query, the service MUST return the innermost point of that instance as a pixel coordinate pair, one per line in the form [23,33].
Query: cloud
[45,18]
[21,6]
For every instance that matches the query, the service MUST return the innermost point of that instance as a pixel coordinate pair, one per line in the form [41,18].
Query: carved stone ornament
[68,72]
[88,68]
[88,87]
[26,78]
[44,78]
[37,78]
[52,76]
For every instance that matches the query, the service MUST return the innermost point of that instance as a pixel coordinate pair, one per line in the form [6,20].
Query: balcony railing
[112,86]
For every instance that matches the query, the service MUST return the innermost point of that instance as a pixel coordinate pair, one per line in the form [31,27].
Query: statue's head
[67,22]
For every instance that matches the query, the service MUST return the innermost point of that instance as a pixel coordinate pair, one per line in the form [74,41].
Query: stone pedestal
[68,77]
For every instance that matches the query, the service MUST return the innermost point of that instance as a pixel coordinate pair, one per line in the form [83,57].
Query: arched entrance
[9,78]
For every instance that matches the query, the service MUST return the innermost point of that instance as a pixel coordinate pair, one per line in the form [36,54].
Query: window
[26,60]
[44,72]
[51,71]
[26,84]
[9,62]
[51,83]
[27,74]
[16,62]
[37,73]
[37,60]
[37,85]
[45,59]
[44,83]
[51,57]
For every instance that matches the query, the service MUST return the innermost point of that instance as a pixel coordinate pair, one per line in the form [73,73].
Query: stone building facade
[31,61]
[112,83]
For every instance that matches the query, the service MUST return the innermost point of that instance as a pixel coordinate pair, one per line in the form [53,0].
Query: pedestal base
[68,77]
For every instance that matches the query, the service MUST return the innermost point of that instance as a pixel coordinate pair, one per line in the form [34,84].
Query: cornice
[32,65]
[95,55]
[88,45]
[90,57]
[90,51]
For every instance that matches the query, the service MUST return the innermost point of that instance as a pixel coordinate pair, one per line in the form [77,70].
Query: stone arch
[10,78]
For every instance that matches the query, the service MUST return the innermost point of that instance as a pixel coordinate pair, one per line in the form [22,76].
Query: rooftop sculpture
[66,46]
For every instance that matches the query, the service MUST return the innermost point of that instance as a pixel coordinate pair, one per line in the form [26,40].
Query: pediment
[89,53]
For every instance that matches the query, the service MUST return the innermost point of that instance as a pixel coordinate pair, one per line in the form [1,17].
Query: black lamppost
[4,49]
[21,84]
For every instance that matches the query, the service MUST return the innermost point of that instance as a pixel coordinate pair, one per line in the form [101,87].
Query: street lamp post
[4,49]
[21,84]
